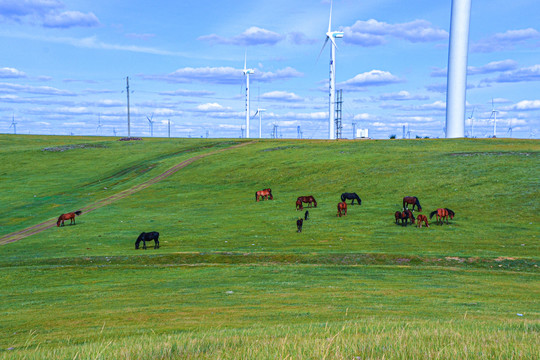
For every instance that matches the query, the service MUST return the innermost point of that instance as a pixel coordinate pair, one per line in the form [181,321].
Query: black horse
[299,223]
[353,196]
[144,237]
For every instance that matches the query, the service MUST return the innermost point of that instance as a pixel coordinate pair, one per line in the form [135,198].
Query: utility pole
[127,90]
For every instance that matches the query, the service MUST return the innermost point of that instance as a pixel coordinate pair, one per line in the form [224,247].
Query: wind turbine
[494,116]
[99,126]
[510,128]
[247,72]
[471,119]
[151,122]
[259,111]
[331,35]
[14,124]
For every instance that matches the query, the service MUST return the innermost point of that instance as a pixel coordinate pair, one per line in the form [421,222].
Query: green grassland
[233,279]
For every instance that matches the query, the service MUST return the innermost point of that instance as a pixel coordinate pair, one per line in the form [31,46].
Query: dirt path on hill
[21,234]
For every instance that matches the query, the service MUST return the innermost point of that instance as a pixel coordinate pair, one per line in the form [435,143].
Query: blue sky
[64,64]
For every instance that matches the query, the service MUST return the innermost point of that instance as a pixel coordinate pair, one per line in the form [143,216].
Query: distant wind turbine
[99,127]
[494,117]
[471,119]
[509,128]
[14,125]
[259,112]
[151,122]
[247,72]
[331,35]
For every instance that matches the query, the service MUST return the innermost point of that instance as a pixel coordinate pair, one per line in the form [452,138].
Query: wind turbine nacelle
[249,71]
[337,34]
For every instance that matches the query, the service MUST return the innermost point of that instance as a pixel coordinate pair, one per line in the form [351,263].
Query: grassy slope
[209,208]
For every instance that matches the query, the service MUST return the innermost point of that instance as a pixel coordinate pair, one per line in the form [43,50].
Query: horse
[264,194]
[413,200]
[306,215]
[68,216]
[353,196]
[299,223]
[404,217]
[144,237]
[307,199]
[442,214]
[341,208]
[421,218]
[299,205]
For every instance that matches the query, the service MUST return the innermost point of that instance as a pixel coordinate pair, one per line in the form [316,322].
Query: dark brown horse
[299,223]
[68,216]
[442,214]
[264,194]
[308,199]
[299,205]
[341,208]
[411,200]
[404,216]
[421,218]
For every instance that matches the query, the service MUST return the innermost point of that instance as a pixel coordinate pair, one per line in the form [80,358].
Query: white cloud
[505,41]
[525,105]
[282,96]
[371,78]
[212,107]
[69,19]
[7,72]
[373,32]
[252,36]
[402,96]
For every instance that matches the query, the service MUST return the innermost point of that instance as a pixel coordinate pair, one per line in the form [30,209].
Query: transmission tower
[337,117]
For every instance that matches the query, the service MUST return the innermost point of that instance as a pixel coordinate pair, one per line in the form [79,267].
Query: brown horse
[411,200]
[308,199]
[421,218]
[442,214]
[404,217]
[264,194]
[68,216]
[341,208]
[299,205]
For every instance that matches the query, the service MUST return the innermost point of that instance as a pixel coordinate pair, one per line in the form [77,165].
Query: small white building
[362,133]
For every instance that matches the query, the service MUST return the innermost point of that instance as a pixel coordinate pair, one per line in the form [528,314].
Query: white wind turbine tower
[494,117]
[247,72]
[151,122]
[259,112]
[14,124]
[332,35]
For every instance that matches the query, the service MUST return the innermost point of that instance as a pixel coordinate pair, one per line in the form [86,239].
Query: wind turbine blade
[330,19]
[325,41]
[333,41]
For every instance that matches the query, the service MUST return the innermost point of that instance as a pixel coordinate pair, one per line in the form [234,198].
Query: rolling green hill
[233,278]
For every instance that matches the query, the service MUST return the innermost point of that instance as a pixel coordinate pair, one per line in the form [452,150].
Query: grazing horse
[299,223]
[341,208]
[404,217]
[421,218]
[308,199]
[413,200]
[353,196]
[144,237]
[68,216]
[264,194]
[299,205]
[442,214]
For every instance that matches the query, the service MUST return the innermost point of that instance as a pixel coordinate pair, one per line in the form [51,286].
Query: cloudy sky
[64,63]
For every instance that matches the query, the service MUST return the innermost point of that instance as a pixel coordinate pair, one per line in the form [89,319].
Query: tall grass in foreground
[360,339]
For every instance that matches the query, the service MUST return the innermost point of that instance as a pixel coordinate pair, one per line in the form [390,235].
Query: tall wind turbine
[259,111]
[14,124]
[247,72]
[99,127]
[332,36]
[494,117]
[457,68]
[151,122]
